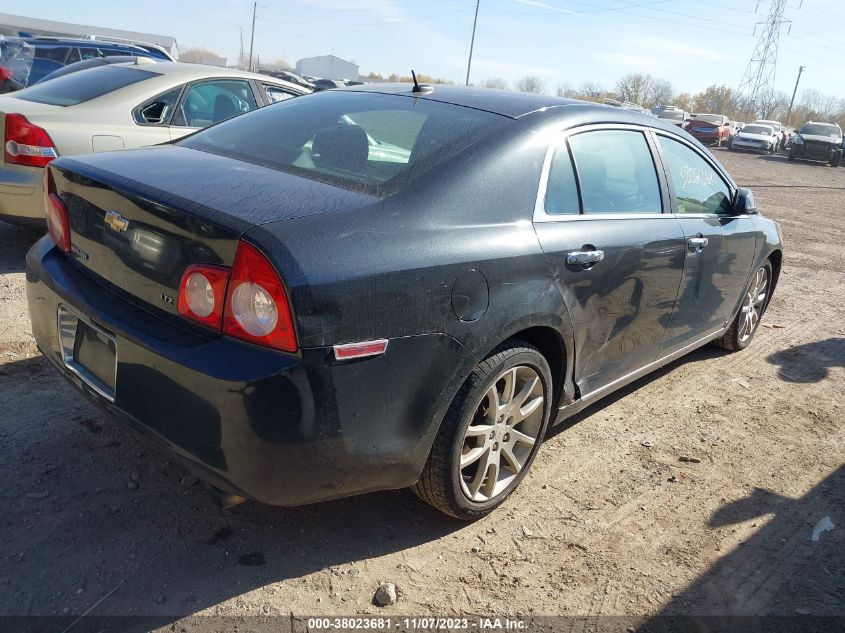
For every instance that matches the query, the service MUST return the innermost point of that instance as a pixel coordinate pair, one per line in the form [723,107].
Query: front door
[617,254]
[720,245]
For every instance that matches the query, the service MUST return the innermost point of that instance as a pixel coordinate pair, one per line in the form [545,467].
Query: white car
[756,137]
[115,107]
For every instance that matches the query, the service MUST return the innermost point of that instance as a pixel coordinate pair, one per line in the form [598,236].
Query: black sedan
[373,288]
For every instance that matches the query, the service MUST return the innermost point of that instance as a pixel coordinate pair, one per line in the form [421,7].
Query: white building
[327,67]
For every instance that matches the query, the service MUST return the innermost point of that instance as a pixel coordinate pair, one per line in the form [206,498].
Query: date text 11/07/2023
[411,624]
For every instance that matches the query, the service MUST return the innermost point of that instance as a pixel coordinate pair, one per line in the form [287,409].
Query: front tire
[754,303]
[490,434]
[837,158]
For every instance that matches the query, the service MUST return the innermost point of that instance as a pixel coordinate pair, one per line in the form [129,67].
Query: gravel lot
[602,525]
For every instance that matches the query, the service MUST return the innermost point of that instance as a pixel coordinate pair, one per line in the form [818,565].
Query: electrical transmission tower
[756,90]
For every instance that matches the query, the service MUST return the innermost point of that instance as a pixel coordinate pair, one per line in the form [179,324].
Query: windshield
[675,115]
[821,129]
[710,118]
[758,129]
[374,143]
[84,85]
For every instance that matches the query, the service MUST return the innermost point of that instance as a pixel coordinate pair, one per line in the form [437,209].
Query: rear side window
[616,172]
[275,94]
[561,190]
[374,143]
[698,188]
[83,86]
[54,53]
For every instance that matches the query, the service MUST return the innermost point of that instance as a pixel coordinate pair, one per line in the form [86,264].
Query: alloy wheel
[753,304]
[501,436]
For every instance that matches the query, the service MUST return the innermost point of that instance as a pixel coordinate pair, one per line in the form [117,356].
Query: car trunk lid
[139,218]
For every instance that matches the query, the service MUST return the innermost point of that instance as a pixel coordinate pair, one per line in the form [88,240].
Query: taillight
[58,223]
[202,294]
[257,308]
[26,143]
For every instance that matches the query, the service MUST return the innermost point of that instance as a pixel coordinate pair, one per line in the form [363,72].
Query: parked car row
[116,106]
[36,58]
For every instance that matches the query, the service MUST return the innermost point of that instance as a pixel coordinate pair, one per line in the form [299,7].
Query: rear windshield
[820,129]
[710,118]
[675,115]
[758,129]
[374,143]
[83,86]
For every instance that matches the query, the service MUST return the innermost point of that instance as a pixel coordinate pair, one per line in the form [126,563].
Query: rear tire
[754,303]
[481,453]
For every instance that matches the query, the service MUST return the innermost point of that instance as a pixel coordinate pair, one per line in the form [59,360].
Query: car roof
[516,105]
[191,72]
[505,102]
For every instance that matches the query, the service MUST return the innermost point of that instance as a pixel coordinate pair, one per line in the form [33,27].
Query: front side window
[374,143]
[616,172]
[211,102]
[698,187]
[84,85]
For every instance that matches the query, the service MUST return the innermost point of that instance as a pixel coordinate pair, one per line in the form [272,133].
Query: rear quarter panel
[388,270]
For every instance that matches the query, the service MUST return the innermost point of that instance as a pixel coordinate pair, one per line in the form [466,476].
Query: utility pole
[792,101]
[252,37]
[472,41]
[241,57]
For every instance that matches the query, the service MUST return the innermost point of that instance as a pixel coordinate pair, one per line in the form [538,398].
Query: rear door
[617,252]
[720,244]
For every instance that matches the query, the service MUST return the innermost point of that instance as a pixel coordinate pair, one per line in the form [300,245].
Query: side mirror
[744,202]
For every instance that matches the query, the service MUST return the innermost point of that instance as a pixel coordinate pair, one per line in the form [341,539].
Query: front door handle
[584,257]
[696,244]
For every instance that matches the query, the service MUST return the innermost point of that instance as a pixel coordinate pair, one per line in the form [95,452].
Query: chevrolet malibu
[381,287]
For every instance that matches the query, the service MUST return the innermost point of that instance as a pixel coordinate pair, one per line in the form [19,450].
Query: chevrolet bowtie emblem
[116,222]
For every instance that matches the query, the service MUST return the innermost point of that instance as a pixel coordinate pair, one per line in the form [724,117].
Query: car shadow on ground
[787,575]
[92,511]
[810,362]
[15,241]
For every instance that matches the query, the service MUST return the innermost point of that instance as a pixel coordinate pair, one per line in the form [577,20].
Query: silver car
[115,107]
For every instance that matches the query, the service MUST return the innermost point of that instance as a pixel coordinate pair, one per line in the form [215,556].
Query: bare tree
[494,82]
[197,56]
[634,87]
[568,92]
[532,84]
[661,93]
[717,100]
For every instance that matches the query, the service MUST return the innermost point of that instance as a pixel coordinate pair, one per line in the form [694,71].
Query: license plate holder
[89,352]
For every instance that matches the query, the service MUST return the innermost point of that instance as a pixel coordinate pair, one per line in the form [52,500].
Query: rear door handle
[584,257]
[697,243]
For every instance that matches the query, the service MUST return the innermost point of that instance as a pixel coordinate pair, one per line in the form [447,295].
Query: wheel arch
[555,349]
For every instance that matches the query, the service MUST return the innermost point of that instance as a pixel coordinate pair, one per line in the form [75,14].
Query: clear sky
[692,43]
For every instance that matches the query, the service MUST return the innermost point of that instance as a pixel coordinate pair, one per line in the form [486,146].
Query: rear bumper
[21,194]
[279,428]
[705,138]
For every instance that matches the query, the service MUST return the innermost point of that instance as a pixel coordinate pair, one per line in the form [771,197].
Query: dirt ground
[603,525]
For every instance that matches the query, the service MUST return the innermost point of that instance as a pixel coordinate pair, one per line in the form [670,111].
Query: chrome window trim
[540,214]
